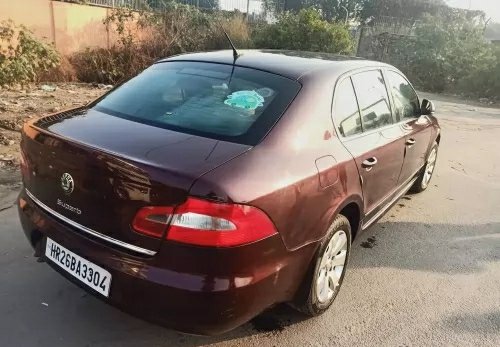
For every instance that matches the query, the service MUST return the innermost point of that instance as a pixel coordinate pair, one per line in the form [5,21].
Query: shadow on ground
[444,248]
[485,323]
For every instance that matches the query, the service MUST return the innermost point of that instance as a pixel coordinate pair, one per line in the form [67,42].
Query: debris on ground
[47,88]
[18,104]
[104,86]
[7,161]
[4,140]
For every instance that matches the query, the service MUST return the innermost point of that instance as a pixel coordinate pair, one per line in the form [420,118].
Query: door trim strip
[386,207]
[88,230]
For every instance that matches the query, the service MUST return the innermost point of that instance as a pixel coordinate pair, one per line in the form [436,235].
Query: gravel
[19,104]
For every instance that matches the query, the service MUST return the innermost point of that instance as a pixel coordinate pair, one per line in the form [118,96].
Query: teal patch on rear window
[245,99]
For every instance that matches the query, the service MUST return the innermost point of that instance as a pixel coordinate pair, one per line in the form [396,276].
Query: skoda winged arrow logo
[67,183]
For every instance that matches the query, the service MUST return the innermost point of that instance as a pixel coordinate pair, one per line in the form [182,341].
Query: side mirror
[428,107]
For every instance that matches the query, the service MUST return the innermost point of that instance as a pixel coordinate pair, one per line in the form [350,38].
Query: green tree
[337,10]
[306,31]
[484,82]
[404,9]
[446,52]
[329,9]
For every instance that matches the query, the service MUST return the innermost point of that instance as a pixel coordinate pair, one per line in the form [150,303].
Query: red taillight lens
[205,223]
[153,220]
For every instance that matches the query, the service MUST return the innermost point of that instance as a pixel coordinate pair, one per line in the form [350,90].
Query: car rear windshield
[219,101]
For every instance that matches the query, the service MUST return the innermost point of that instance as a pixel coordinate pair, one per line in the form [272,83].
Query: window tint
[345,109]
[213,100]
[373,99]
[405,99]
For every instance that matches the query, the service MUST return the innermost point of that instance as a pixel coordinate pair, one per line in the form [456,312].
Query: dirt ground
[427,274]
[17,105]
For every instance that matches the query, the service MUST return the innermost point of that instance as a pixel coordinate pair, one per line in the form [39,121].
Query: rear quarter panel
[280,175]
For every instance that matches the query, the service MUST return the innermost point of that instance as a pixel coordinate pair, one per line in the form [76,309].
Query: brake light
[205,223]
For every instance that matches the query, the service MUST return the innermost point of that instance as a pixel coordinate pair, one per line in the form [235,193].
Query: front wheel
[329,268]
[425,176]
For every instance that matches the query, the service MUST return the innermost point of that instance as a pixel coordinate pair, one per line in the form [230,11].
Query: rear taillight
[205,223]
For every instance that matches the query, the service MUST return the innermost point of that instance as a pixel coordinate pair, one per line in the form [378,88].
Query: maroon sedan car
[206,189]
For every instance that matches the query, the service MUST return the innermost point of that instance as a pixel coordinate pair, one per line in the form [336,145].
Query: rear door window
[219,101]
[345,110]
[406,104]
[373,99]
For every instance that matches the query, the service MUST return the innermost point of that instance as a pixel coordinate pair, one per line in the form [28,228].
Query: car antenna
[235,52]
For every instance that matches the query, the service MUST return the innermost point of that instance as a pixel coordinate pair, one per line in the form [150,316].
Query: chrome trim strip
[383,210]
[87,230]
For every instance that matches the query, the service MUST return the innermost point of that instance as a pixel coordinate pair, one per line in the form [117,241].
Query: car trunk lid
[98,170]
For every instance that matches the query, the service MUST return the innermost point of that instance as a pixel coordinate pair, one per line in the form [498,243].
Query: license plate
[92,275]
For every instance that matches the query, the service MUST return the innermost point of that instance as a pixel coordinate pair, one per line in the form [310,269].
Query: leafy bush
[22,56]
[63,72]
[448,53]
[147,36]
[484,82]
[108,65]
[305,31]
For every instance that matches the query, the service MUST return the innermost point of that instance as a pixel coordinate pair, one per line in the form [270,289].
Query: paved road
[427,274]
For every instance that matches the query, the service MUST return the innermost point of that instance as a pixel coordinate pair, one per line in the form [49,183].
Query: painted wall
[71,27]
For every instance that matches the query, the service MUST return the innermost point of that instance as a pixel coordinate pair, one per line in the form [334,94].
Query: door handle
[410,142]
[369,163]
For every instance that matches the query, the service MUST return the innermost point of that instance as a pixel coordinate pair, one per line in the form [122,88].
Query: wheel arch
[352,210]
[353,214]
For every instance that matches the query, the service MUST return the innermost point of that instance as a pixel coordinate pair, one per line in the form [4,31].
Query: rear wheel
[423,180]
[329,268]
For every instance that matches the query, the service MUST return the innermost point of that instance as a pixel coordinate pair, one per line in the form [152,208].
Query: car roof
[291,64]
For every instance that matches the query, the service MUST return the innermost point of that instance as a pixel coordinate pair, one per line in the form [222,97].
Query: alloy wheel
[331,267]
[429,168]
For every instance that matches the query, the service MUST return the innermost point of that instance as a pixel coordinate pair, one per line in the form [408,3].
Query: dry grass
[155,36]
[64,72]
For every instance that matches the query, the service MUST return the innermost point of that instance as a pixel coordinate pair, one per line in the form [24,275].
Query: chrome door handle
[410,142]
[370,163]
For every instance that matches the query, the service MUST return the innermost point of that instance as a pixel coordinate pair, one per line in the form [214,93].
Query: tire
[314,302]
[425,176]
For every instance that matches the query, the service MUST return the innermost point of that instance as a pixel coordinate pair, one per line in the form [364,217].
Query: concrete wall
[70,27]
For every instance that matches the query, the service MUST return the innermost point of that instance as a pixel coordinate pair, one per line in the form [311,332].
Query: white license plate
[92,275]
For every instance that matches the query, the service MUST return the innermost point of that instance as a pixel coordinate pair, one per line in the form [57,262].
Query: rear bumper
[191,289]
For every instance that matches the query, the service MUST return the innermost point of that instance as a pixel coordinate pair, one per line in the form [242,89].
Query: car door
[416,128]
[363,119]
